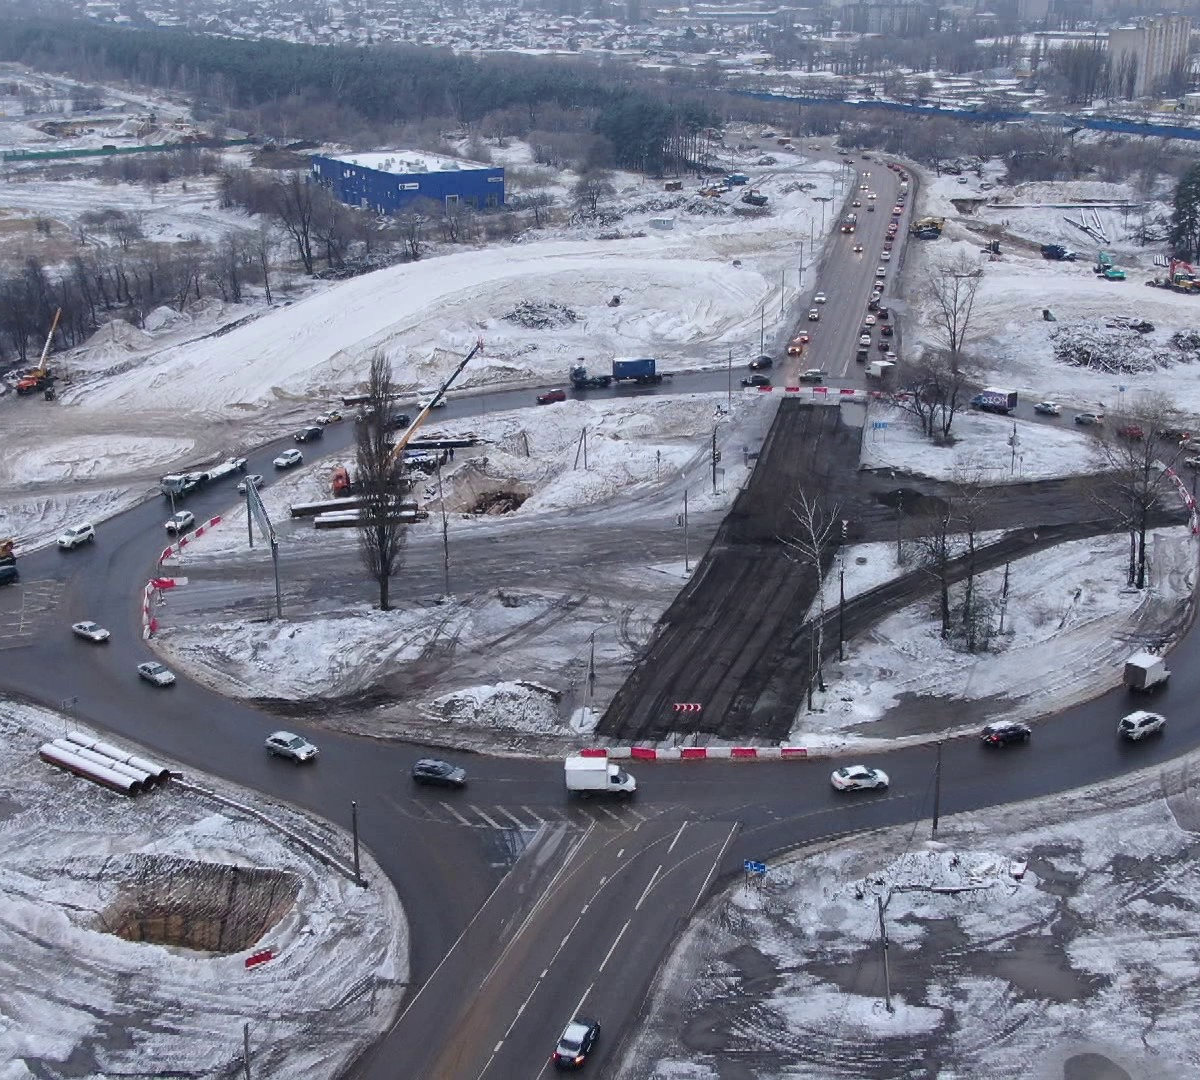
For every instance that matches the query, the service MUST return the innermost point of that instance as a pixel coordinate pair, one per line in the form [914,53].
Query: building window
[451,200]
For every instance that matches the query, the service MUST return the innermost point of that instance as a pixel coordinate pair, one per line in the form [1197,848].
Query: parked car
[400,420]
[1048,408]
[761,363]
[575,1043]
[331,417]
[1088,419]
[9,574]
[814,314]
[1138,725]
[551,396]
[883,313]
[898,209]
[880,271]
[879,285]
[308,434]
[886,330]
[90,630]
[74,535]
[1131,431]
[285,744]
[756,380]
[180,522]
[864,341]
[819,298]
[1004,732]
[859,778]
[1192,462]
[885,255]
[251,480]
[439,773]
[813,375]
[869,321]
[154,672]
[1176,435]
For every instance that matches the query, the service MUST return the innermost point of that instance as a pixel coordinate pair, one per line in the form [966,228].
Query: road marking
[490,820]
[633,813]
[612,947]
[620,853]
[649,886]
[450,809]
[712,870]
[605,810]
[496,1048]
[539,820]
[579,1007]
[677,836]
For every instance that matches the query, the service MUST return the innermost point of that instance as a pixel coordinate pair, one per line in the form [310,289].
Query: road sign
[688,706]
[752,867]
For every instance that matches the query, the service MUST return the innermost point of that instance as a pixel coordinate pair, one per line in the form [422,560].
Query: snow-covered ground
[77,860]
[1082,968]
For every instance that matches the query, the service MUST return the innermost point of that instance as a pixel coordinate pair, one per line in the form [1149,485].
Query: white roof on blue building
[407,162]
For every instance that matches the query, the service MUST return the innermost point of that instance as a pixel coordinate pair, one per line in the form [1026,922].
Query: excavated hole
[209,907]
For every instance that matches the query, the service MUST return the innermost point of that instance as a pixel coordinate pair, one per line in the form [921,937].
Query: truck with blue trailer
[993,399]
[642,371]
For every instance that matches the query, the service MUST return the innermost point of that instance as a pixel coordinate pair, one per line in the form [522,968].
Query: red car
[551,396]
[1131,431]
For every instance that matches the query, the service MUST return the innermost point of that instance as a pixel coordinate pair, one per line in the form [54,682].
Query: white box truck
[1145,671]
[589,775]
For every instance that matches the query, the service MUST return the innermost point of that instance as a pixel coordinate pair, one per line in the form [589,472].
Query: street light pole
[730,372]
[841,608]
[937,789]
[687,566]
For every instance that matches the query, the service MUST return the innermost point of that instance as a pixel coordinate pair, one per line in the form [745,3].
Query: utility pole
[762,328]
[445,534]
[687,566]
[899,516]
[883,942]
[730,370]
[716,456]
[275,567]
[1004,593]
[246,1050]
[937,788]
[249,518]
[841,608]
[354,830]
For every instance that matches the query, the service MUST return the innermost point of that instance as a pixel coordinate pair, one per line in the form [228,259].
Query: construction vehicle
[1104,261]
[40,377]
[1113,273]
[754,197]
[1177,280]
[581,380]
[927,228]
[1059,253]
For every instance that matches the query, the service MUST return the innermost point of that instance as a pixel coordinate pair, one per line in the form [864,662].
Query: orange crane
[406,438]
[39,378]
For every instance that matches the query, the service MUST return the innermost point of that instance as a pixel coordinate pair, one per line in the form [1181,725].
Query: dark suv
[1004,732]
[439,773]
[8,573]
[308,434]
[400,420]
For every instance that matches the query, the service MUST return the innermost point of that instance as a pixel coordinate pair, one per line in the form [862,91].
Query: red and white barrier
[159,584]
[696,753]
[183,541]
[1188,501]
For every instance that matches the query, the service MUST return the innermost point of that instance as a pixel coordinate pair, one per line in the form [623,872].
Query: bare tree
[815,532]
[936,391]
[593,186]
[936,546]
[294,204]
[952,288]
[381,534]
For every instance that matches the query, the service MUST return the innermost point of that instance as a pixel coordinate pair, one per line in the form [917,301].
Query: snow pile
[511,706]
[88,458]
[70,852]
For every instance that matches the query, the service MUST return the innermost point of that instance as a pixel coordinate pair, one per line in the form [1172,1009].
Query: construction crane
[39,378]
[406,437]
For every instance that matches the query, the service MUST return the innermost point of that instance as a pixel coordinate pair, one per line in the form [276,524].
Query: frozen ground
[1083,968]
[1069,622]
[76,859]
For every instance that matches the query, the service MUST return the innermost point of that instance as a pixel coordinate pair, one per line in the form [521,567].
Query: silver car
[90,630]
[285,744]
[1137,725]
[154,672]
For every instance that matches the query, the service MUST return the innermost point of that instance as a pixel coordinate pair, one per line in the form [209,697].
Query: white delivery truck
[589,775]
[1145,671]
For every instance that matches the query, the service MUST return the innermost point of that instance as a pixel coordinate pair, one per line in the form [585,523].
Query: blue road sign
[752,867]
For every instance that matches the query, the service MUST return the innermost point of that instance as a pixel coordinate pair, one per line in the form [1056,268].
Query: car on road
[439,773]
[251,480]
[856,203]
[761,363]
[74,535]
[1131,431]
[1138,725]
[880,284]
[820,298]
[863,187]
[874,298]
[886,330]
[1192,462]
[551,396]
[308,434]
[1004,732]
[90,630]
[859,778]
[1175,435]
[858,249]
[363,413]
[1048,408]
[154,672]
[869,320]
[331,417]
[883,313]
[287,459]
[814,375]
[864,341]
[880,271]
[814,314]
[9,574]
[575,1043]
[882,346]
[885,255]
[756,380]
[1088,419]
[872,196]
[400,420]
[180,522]
[288,745]
[897,210]
[427,401]
[796,345]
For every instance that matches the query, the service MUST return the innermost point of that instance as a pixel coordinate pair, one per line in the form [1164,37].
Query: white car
[180,522]
[76,535]
[859,778]
[285,744]
[869,320]
[864,341]
[429,403]
[153,671]
[1137,725]
[331,417]
[90,630]
[880,271]
[1048,408]
[287,459]
[875,297]
[819,298]
[254,480]
[814,314]
[885,256]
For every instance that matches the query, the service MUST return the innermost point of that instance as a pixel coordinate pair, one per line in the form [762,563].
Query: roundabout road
[525,908]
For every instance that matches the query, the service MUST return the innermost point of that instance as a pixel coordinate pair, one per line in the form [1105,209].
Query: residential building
[1143,53]
[387,181]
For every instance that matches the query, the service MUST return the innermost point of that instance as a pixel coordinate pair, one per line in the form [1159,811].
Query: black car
[761,363]
[400,420]
[756,380]
[1004,732]
[576,1043]
[9,573]
[439,773]
[308,434]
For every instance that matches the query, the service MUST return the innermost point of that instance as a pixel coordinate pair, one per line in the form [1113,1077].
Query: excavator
[1181,277]
[40,377]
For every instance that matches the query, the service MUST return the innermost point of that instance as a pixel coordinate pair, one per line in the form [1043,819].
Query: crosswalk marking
[450,809]
[490,820]
[539,820]
[512,817]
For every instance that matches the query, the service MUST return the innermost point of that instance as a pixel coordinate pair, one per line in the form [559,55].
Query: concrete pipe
[73,763]
[125,769]
[160,773]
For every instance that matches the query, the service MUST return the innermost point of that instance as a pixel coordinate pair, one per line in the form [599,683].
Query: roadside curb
[697,753]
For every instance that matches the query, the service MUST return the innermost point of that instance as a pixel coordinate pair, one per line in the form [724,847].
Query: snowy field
[76,860]
[1069,621]
[1082,968]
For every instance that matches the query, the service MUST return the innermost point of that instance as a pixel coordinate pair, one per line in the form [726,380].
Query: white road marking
[539,820]
[677,836]
[612,947]
[486,817]
[450,809]
[712,870]
[605,810]
[511,817]
[620,853]
[649,886]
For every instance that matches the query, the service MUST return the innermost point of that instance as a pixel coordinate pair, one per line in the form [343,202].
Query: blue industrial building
[386,182]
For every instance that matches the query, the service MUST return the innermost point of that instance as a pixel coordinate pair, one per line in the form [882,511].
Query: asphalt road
[525,907]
